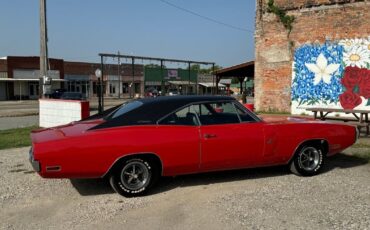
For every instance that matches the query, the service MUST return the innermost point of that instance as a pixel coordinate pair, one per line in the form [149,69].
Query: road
[268,198]
[31,107]
[18,122]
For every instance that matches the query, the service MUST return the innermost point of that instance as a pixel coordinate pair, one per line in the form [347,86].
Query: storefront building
[19,78]
[179,81]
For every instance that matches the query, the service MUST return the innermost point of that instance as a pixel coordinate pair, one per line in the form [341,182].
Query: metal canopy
[133,58]
[242,70]
[155,59]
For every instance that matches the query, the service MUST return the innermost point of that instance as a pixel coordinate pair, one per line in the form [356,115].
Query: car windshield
[125,108]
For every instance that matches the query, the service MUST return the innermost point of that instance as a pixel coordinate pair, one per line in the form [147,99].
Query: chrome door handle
[208,135]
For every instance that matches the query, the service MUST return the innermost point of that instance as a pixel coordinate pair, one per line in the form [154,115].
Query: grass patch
[273,113]
[362,149]
[361,145]
[363,155]
[20,114]
[14,138]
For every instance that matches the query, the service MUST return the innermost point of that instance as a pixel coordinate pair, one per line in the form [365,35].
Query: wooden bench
[360,117]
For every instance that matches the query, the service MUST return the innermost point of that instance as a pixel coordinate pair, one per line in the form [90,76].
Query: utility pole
[43,48]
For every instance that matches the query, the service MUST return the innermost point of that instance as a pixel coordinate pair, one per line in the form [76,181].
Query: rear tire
[133,177]
[308,161]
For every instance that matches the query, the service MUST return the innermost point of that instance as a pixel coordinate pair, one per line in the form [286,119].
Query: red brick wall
[84,68]
[299,4]
[316,21]
[32,63]
[3,65]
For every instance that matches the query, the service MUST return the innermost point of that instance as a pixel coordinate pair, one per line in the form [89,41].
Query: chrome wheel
[135,175]
[309,158]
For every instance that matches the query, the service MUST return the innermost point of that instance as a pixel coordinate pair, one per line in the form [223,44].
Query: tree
[196,67]
[154,66]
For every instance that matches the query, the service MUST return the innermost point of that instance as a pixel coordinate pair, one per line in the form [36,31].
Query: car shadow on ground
[88,187]
[343,161]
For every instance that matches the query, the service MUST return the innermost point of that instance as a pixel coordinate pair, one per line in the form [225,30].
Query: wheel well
[320,143]
[151,157]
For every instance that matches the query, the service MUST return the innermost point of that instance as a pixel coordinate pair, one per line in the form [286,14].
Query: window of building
[112,89]
[125,88]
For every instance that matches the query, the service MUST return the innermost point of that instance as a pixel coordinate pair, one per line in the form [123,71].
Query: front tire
[133,177]
[308,161]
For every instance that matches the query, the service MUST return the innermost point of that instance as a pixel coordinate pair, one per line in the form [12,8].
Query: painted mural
[332,75]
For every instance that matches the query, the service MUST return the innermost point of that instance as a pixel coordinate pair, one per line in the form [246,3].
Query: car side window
[244,116]
[201,109]
[217,113]
[185,116]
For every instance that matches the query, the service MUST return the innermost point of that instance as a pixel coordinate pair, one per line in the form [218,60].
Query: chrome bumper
[35,164]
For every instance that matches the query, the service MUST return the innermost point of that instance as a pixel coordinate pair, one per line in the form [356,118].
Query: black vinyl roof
[153,109]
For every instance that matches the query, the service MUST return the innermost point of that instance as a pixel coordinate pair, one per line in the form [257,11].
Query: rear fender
[132,155]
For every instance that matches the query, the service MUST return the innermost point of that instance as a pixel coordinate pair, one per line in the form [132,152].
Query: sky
[220,31]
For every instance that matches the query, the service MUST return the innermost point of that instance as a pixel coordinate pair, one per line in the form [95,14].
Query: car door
[178,141]
[230,137]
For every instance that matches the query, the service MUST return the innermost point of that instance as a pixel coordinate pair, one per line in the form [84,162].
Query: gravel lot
[268,198]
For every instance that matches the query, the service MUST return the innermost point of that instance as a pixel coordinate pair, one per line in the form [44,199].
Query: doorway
[33,90]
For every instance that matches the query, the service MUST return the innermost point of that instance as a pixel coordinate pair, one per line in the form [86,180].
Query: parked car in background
[151,92]
[72,96]
[173,92]
[167,136]
[57,93]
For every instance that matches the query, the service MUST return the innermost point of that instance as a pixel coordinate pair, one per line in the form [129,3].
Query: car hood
[59,132]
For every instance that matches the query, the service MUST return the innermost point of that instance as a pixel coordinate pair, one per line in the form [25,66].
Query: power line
[206,18]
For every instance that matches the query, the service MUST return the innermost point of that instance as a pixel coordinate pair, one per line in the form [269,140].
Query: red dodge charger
[166,136]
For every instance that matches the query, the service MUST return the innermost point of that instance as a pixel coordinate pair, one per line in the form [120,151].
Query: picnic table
[360,117]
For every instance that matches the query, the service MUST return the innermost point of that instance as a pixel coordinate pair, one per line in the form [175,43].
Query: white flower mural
[335,74]
[350,43]
[322,70]
[357,56]
[367,44]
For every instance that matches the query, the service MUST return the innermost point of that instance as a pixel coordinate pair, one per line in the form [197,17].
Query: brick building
[19,76]
[310,66]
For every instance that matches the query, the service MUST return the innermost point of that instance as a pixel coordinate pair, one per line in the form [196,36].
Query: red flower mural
[351,77]
[364,85]
[349,100]
[357,83]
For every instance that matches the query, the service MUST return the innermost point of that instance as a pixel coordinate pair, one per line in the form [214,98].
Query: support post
[217,81]
[119,76]
[188,89]
[163,92]
[241,84]
[196,82]
[215,78]
[133,77]
[101,87]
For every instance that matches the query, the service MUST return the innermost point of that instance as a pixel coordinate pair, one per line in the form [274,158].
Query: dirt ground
[266,198]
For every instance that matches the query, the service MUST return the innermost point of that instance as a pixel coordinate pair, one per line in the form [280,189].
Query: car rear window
[125,108]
